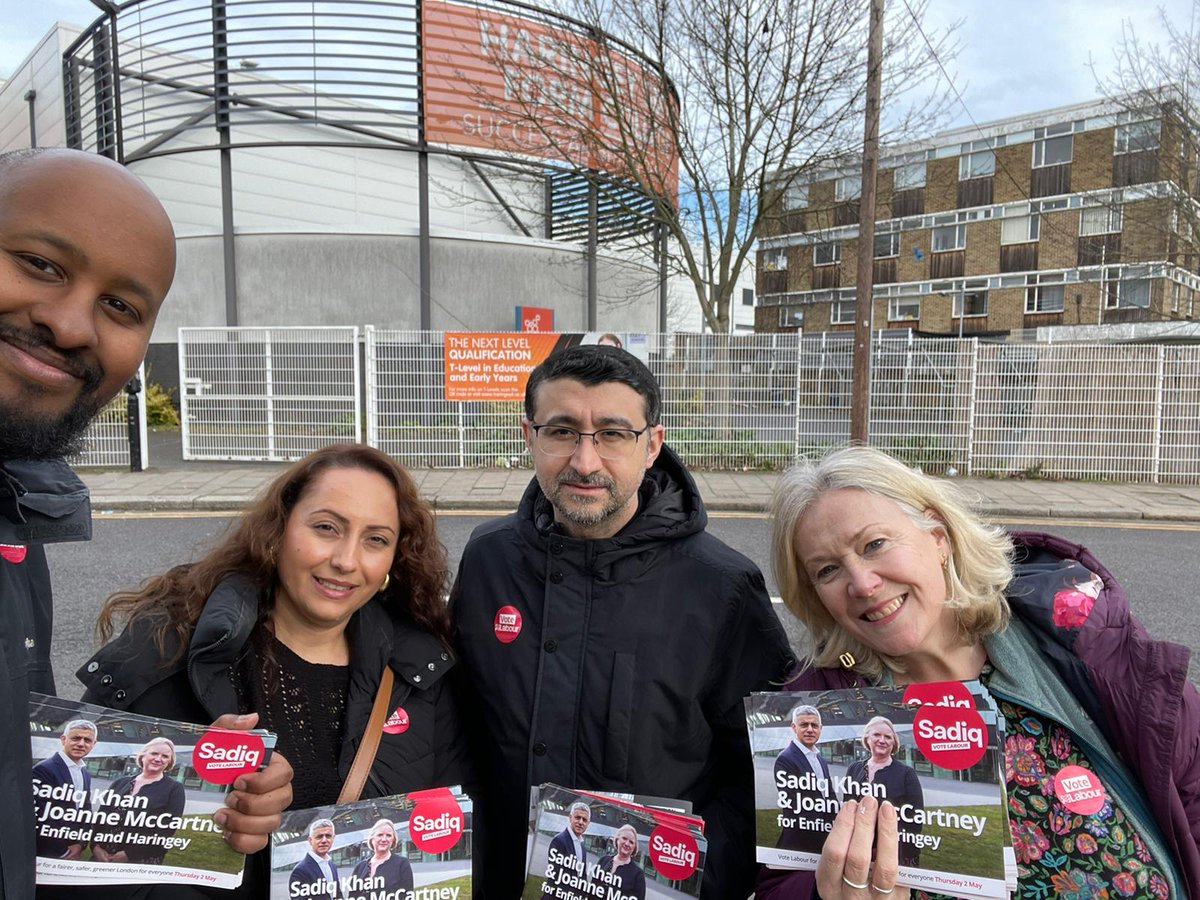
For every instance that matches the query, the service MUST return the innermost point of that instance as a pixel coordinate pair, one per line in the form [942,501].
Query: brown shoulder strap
[370,741]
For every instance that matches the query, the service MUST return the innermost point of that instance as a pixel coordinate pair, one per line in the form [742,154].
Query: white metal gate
[107,437]
[267,393]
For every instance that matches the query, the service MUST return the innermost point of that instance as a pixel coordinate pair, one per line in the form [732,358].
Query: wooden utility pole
[860,395]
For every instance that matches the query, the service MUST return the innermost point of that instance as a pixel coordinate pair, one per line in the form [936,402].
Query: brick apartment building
[1076,215]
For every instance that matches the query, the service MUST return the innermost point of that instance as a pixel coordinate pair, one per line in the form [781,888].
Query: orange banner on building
[483,365]
[516,84]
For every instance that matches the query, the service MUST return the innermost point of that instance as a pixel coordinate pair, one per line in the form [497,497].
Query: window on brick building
[909,176]
[887,245]
[827,254]
[977,159]
[1052,146]
[841,312]
[904,309]
[972,300]
[1044,293]
[949,237]
[795,196]
[1100,220]
[1019,229]
[1129,289]
[847,187]
[1134,137]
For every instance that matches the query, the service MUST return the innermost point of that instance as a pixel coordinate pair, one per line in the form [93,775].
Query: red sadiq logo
[14,553]
[673,852]
[1079,790]
[939,693]
[397,722]
[951,737]
[221,756]
[436,822]
[507,624]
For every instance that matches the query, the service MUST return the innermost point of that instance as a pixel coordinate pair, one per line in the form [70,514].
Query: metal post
[133,392]
[71,107]
[662,279]
[30,97]
[221,103]
[424,249]
[101,50]
[864,306]
[593,242]
[1156,458]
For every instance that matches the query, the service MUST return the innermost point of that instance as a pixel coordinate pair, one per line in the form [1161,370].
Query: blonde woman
[384,862]
[161,794]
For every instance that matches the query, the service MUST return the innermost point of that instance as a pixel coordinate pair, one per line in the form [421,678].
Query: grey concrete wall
[355,279]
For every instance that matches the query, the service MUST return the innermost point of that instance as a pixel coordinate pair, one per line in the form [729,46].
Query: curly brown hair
[175,599]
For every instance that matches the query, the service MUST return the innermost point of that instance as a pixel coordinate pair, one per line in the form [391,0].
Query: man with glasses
[608,639]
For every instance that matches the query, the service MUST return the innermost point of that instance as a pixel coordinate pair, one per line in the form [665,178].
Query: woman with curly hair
[332,574]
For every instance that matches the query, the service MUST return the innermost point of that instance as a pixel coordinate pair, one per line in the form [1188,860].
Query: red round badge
[397,722]
[939,693]
[14,553]
[673,852]
[221,756]
[950,737]
[1079,790]
[507,624]
[436,823]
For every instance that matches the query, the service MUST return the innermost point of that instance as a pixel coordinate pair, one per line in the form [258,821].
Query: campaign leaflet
[945,778]
[127,799]
[414,846]
[589,846]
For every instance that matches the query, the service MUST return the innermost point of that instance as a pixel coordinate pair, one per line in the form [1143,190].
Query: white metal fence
[267,393]
[106,442]
[1117,411]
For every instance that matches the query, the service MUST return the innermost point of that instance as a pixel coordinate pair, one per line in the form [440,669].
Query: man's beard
[26,435]
[592,514]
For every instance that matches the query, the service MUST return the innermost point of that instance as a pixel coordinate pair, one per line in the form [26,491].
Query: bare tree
[1155,88]
[710,107]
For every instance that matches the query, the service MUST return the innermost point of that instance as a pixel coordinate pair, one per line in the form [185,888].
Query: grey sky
[1017,56]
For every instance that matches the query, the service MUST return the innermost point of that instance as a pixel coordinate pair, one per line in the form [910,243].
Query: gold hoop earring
[387,579]
[847,660]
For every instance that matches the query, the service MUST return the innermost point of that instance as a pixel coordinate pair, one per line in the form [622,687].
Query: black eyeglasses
[610,443]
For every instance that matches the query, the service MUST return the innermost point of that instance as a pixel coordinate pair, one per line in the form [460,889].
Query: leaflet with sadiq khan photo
[127,799]
[934,751]
[590,846]
[412,846]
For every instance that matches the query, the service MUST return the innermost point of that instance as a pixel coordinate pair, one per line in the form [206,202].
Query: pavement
[173,484]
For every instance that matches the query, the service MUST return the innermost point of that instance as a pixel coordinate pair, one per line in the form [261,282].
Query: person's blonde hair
[150,743]
[881,720]
[977,571]
[390,825]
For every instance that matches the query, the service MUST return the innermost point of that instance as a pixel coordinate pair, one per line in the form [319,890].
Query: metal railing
[1103,411]
[107,440]
[267,393]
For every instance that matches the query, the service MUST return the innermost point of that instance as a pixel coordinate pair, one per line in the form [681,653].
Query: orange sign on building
[482,365]
[528,86]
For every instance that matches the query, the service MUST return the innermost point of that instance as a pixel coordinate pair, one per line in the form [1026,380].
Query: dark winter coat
[1135,688]
[40,503]
[626,673]
[130,674]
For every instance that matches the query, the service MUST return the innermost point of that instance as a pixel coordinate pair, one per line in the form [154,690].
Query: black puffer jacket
[130,674]
[41,502]
[627,674]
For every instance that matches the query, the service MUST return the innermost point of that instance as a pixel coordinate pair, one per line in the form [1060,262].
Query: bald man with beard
[87,255]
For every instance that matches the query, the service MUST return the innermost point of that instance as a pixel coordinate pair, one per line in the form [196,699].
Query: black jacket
[627,674]
[130,674]
[40,503]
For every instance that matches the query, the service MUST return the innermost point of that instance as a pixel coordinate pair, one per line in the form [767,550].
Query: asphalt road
[1152,563]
